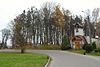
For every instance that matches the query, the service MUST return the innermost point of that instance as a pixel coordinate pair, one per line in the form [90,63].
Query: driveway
[66,59]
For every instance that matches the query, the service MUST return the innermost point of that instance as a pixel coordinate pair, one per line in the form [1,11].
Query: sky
[9,9]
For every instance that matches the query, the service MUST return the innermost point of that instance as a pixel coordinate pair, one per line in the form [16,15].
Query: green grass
[48,47]
[22,60]
[77,51]
[94,53]
[82,52]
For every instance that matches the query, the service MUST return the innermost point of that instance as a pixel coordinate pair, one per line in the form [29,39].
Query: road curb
[49,60]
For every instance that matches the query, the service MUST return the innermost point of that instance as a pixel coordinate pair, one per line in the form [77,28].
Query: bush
[97,50]
[84,46]
[65,43]
[94,45]
[65,47]
[88,48]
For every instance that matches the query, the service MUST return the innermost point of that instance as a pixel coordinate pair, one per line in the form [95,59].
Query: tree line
[47,25]
[43,26]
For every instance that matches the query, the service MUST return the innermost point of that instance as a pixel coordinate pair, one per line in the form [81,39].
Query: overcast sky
[9,9]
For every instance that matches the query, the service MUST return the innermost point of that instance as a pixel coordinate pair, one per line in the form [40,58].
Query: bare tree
[5,36]
[95,14]
[88,22]
[98,29]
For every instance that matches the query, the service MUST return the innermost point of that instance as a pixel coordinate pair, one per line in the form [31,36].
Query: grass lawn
[44,47]
[48,47]
[82,52]
[22,60]
[94,53]
[77,51]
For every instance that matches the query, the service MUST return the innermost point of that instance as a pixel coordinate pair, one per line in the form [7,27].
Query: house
[78,40]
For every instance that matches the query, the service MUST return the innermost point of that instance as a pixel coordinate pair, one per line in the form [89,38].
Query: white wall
[80,32]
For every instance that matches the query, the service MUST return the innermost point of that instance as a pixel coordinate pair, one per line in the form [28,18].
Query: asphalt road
[66,59]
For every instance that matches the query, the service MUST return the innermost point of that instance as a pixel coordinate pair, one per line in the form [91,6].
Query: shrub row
[89,47]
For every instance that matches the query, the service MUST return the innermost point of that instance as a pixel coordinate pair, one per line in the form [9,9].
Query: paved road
[66,59]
